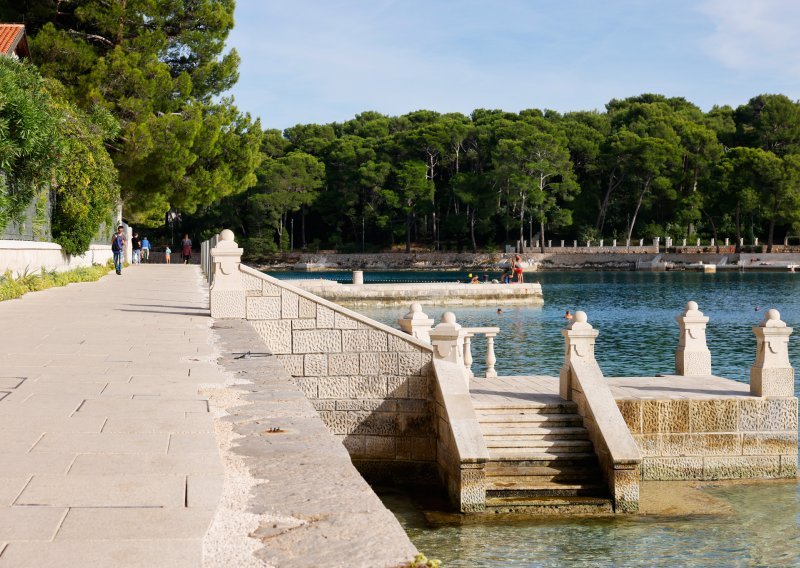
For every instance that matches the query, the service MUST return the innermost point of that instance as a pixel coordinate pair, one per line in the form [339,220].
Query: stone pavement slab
[103,554]
[105,491]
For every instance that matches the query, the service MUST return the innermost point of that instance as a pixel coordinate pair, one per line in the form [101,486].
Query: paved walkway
[107,452]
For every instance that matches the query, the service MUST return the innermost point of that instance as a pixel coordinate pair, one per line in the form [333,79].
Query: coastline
[566,259]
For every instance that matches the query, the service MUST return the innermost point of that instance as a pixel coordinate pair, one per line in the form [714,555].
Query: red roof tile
[10,36]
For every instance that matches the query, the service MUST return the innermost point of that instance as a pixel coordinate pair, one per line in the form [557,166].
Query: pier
[429,293]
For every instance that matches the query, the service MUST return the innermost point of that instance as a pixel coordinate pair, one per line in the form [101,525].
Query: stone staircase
[541,461]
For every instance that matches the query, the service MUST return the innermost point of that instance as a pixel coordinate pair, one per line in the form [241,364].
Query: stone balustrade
[582,381]
[489,333]
[419,325]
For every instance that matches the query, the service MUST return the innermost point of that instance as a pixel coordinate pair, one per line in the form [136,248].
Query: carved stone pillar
[772,374]
[416,323]
[579,339]
[447,340]
[227,295]
[692,357]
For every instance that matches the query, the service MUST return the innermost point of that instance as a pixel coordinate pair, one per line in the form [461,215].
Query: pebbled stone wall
[372,385]
[731,438]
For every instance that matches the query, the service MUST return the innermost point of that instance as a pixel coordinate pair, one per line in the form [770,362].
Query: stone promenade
[130,435]
[108,455]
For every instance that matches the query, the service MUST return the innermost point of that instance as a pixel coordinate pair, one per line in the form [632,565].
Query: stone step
[516,487]
[547,506]
[526,427]
[523,419]
[522,458]
[517,453]
[556,433]
[560,445]
[565,407]
[588,470]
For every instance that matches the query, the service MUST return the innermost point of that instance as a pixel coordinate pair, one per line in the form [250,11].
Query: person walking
[167,255]
[118,248]
[186,249]
[145,249]
[136,247]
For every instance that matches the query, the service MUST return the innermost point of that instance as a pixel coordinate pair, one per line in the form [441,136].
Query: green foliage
[13,287]
[30,141]
[421,561]
[48,148]
[157,68]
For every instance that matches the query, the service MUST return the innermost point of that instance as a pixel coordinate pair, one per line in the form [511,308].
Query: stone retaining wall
[714,439]
[28,256]
[372,385]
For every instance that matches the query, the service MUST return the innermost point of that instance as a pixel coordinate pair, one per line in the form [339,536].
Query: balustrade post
[772,374]
[227,295]
[447,340]
[490,357]
[468,354]
[692,357]
[579,339]
[416,323]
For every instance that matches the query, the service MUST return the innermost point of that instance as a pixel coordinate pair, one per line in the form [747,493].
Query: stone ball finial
[580,317]
[772,318]
[448,317]
[226,235]
[416,308]
[692,306]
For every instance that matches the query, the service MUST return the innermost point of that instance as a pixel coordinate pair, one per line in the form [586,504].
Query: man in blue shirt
[118,248]
[145,249]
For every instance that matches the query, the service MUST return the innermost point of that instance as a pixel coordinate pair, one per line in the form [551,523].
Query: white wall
[29,256]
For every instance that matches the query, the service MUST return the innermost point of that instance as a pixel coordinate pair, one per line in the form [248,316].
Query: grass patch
[11,287]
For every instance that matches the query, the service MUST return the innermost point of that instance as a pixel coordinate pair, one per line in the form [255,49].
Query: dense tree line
[647,166]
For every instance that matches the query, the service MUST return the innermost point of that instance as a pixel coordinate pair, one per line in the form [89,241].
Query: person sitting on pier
[474,279]
[506,277]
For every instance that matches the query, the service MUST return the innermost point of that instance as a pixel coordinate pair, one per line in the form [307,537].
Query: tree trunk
[713,225]
[303,226]
[522,223]
[541,232]
[738,248]
[409,219]
[472,229]
[601,215]
[636,211]
[771,234]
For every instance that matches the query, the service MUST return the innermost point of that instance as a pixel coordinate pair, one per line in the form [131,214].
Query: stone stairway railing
[582,381]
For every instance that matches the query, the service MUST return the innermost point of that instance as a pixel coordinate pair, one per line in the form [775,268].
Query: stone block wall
[731,438]
[372,385]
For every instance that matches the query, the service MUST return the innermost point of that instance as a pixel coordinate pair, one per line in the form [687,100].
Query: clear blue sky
[327,60]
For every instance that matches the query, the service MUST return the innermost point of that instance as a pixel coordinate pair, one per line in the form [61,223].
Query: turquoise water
[634,312]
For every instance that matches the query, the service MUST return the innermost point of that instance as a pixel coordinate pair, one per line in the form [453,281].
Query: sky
[322,61]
